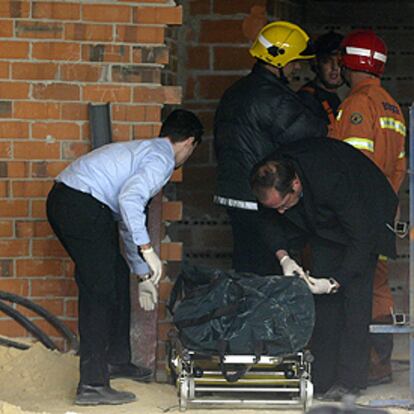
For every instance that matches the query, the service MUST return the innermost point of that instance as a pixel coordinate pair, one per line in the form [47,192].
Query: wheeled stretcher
[205,379]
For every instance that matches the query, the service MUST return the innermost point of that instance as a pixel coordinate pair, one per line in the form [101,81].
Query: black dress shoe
[387,379]
[337,393]
[101,395]
[130,371]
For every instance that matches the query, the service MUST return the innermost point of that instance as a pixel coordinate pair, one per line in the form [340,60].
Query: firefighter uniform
[371,121]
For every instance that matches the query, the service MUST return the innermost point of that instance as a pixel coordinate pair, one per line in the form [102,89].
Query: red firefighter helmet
[364,51]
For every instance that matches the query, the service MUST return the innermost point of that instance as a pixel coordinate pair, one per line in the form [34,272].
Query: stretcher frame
[270,380]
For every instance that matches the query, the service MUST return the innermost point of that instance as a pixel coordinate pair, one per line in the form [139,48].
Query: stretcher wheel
[186,392]
[306,393]
[183,393]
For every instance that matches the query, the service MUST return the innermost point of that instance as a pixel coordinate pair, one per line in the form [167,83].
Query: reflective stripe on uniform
[231,202]
[401,155]
[395,125]
[339,115]
[361,143]
[383,258]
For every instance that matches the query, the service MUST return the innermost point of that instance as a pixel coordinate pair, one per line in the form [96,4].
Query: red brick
[14,248]
[6,28]
[106,53]
[36,150]
[38,267]
[136,74]
[107,13]
[71,308]
[56,130]
[136,113]
[222,31]
[198,7]
[6,268]
[14,129]
[69,268]
[10,328]
[235,7]
[16,286]
[45,169]
[56,51]
[5,150]
[55,11]
[198,57]
[4,188]
[17,169]
[54,306]
[221,83]
[140,34]
[14,208]
[71,151]
[80,73]
[152,54]
[158,15]
[36,110]
[38,209]
[88,32]
[47,248]
[6,228]
[16,9]
[53,287]
[4,70]
[232,58]
[76,112]
[106,93]
[27,70]
[56,91]
[146,130]
[5,109]
[33,229]
[32,188]
[39,30]
[158,94]
[14,50]
[121,132]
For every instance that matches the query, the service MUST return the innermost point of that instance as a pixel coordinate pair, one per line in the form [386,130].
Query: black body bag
[241,313]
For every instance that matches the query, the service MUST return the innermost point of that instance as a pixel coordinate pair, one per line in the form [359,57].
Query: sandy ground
[43,381]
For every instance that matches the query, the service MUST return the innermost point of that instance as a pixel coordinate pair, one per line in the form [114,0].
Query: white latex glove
[147,294]
[290,267]
[321,286]
[154,263]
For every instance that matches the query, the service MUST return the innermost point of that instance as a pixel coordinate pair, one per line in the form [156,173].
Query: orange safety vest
[370,120]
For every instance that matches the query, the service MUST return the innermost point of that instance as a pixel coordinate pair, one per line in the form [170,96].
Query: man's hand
[154,263]
[147,294]
[290,267]
[321,286]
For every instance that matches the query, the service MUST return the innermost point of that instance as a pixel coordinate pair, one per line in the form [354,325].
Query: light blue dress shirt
[125,176]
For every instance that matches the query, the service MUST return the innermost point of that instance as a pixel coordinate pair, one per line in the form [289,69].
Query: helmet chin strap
[282,76]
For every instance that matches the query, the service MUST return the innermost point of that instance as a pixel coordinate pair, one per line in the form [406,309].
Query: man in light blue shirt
[100,196]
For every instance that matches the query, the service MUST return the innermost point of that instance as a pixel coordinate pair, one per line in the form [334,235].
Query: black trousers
[89,233]
[250,253]
[340,339]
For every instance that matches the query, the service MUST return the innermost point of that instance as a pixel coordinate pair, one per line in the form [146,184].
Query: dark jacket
[325,104]
[346,200]
[254,117]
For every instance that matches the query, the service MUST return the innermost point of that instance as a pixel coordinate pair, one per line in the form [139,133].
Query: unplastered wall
[214,54]
[55,58]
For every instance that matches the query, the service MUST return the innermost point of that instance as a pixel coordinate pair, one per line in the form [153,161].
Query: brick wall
[55,58]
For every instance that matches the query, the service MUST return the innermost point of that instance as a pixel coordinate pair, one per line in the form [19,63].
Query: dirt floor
[43,381]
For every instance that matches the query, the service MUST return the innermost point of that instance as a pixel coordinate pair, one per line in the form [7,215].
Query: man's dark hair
[181,124]
[277,174]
